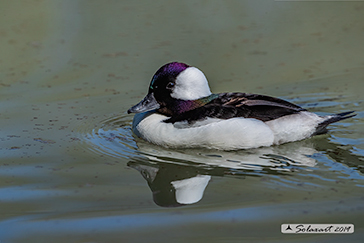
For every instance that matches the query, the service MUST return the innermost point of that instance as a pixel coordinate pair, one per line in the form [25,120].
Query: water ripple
[112,136]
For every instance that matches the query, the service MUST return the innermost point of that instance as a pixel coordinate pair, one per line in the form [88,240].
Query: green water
[72,171]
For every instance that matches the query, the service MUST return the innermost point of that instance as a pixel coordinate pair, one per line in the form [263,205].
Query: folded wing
[229,105]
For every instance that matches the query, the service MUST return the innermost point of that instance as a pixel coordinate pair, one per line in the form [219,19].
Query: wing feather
[229,105]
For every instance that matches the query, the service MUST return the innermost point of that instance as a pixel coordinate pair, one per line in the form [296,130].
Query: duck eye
[170,85]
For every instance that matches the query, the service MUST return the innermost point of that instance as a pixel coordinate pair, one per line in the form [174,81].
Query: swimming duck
[180,111]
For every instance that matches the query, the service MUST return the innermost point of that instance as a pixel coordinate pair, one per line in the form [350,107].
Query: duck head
[173,84]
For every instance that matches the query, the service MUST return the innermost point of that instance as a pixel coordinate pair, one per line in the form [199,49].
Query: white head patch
[191,84]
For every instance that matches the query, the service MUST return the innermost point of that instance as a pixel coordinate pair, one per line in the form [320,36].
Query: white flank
[294,127]
[230,134]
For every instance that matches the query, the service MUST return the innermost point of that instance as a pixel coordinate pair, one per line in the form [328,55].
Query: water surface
[71,168]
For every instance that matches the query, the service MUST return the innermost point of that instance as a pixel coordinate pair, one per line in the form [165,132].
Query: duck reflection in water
[173,185]
[178,178]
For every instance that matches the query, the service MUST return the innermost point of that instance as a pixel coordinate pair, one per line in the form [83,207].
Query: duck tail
[321,127]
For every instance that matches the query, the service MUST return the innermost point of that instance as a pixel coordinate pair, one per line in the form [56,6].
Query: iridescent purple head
[172,85]
[168,72]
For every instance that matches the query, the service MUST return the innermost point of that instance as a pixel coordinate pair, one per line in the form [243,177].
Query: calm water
[71,169]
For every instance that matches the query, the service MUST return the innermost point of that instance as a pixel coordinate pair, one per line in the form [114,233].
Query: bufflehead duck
[180,111]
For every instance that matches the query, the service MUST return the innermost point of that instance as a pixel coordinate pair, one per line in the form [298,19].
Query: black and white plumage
[180,111]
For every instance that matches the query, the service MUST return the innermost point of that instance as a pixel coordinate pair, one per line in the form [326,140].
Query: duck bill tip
[147,104]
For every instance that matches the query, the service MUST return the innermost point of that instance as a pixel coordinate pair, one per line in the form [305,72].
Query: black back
[230,105]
